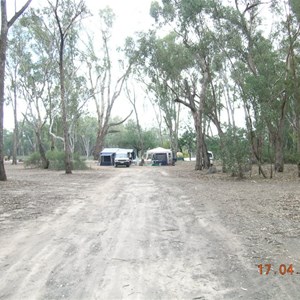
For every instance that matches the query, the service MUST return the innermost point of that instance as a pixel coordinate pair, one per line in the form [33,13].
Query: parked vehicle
[122,159]
[210,157]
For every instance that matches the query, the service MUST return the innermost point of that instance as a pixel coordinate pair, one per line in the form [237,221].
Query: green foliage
[213,144]
[127,136]
[295,5]
[34,160]
[8,142]
[167,11]
[187,141]
[78,162]
[163,58]
[57,161]
[291,157]
[235,155]
[107,16]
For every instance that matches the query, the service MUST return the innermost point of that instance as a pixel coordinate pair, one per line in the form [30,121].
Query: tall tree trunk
[45,161]
[297,117]
[63,29]
[252,137]
[16,129]
[199,140]
[5,25]
[67,148]
[201,155]
[198,165]
[102,132]
[15,145]
[3,47]
[279,162]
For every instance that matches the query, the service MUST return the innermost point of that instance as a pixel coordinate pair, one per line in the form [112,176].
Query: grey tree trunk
[279,162]
[67,148]
[5,25]
[198,165]
[102,132]
[45,161]
[3,47]
[16,129]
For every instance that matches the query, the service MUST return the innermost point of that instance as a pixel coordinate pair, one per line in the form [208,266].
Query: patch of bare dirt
[148,233]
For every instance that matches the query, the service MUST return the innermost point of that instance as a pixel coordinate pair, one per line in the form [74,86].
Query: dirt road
[147,233]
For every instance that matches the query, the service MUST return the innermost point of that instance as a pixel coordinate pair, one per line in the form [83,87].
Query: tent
[160,156]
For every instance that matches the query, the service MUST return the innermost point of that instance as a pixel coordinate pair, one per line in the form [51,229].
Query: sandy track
[137,233]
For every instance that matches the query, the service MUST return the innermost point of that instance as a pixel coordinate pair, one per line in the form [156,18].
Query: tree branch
[119,123]
[184,103]
[18,14]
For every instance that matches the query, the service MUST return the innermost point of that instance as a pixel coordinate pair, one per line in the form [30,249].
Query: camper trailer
[159,156]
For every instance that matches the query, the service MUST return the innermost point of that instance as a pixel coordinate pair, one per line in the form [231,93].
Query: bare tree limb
[18,14]
[121,122]
[184,103]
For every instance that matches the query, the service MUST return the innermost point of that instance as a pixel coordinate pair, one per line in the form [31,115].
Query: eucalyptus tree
[268,68]
[16,45]
[5,26]
[258,72]
[163,60]
[40,89]
[33,50]
[193,22]
[101,73]
[66,14]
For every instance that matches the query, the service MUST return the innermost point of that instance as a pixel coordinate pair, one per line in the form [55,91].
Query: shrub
[235,156]
[57,161]
[34,160]
[78,162]
[291,158]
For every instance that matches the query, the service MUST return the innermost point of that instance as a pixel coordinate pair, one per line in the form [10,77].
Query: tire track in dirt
[135,233]
[49,257]
[158,255]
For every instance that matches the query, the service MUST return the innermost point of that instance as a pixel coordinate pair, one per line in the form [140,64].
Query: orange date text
[283,269]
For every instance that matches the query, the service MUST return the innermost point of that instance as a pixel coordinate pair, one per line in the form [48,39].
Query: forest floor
[148,233]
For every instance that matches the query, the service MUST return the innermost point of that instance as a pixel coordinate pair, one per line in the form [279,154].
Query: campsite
[149,150]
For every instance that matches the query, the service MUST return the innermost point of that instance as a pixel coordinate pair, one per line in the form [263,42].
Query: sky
[131,16]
